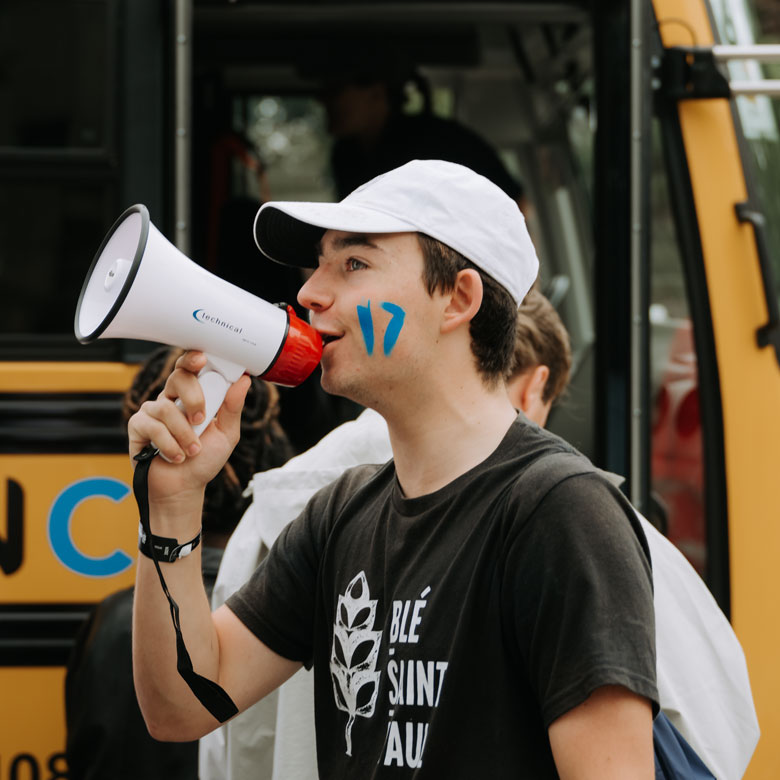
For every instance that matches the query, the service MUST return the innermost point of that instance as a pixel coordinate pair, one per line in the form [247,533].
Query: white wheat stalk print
[354,654]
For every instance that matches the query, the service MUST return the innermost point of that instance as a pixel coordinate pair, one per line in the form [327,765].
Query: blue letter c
[59,527]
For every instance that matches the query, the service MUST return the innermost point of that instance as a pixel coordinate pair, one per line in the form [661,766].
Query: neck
[450,430]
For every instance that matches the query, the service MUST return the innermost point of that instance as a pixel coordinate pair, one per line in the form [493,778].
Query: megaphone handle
[215,379]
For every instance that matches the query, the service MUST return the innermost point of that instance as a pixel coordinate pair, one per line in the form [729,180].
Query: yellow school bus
[646,136]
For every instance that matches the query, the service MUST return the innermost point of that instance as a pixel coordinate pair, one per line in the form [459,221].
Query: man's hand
[193,461]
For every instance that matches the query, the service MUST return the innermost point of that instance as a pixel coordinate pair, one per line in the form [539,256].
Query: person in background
[364,91]
[106,735]
[704,687]
[541,364]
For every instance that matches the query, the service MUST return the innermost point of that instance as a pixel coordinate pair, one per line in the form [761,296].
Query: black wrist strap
[166,549]
[209,694]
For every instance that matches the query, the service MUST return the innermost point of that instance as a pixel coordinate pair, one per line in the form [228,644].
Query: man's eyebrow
[351,239]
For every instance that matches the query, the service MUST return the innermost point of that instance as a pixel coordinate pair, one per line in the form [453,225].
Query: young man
[703,684]
[275,738]
[481,605]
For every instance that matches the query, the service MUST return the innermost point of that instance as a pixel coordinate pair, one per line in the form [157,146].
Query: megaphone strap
[214,698]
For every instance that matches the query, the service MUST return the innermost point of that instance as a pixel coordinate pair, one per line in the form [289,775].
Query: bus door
[716,380]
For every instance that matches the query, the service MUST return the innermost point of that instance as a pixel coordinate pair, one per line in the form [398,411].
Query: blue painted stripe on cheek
[393,329]
[367,326]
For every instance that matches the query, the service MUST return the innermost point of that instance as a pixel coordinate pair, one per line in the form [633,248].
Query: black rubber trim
[282,342]
[710,401]
[39,423]
[85,338]
[39,634]
[612,222]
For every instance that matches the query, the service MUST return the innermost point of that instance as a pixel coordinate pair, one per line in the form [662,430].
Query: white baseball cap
[444,200]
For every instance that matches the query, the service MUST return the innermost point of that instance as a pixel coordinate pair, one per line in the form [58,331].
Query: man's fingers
[183,386]
[164,423]
[191,361]
[229,415]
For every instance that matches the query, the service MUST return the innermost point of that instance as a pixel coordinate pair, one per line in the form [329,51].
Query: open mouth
[327,338]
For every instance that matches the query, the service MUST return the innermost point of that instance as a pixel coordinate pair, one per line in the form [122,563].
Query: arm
[221,649]
[609,735]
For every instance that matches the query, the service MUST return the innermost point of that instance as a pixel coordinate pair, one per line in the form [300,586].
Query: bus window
[252,147]
[58,192]
[676,467]
[54,68]
[759,115]
[291,135]
[38,280]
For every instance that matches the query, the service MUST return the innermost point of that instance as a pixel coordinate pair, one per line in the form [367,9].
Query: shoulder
[551,485]
[540,461]
[358,477]
[330,500]
[533,461]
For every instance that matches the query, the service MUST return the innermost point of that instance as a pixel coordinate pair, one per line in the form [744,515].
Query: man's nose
[316,293]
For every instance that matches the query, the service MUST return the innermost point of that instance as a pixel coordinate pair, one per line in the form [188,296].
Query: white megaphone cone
[141,287]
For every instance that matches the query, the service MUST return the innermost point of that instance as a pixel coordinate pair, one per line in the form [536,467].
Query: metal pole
[761,52]
[637,456]
[758,52]
[183,122]
[769,87]
[390,12]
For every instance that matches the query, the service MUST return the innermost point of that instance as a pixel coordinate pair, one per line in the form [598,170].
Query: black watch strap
[166,549]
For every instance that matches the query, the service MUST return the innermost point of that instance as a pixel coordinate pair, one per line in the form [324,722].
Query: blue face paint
[367,326]
[393,329]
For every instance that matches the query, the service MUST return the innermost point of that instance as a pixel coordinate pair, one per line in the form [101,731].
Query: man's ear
[463,301]
[526,392]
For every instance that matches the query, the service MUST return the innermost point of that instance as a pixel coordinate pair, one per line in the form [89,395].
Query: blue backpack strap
[675,759]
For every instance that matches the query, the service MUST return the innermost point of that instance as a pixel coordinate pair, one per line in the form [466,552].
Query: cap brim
[289,232]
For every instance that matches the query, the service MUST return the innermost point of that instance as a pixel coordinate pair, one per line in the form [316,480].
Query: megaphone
[140,286]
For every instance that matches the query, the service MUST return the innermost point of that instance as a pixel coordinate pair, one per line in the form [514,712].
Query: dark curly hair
[263,443]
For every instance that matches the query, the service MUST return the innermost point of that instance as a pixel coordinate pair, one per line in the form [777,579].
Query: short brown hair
[542,339]
[492,329]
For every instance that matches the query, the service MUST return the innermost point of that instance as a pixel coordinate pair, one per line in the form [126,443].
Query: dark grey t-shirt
[448,631]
